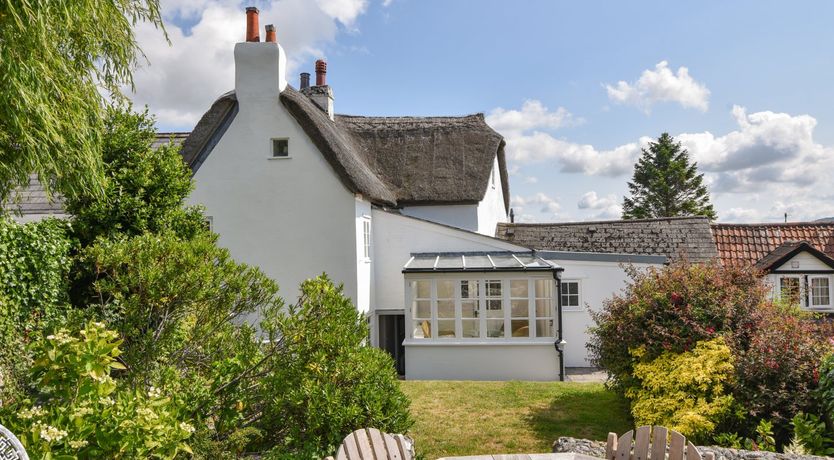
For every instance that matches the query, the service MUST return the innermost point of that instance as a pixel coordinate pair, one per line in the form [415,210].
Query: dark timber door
[391,337]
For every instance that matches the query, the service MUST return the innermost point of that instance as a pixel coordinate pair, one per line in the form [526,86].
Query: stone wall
[597,449]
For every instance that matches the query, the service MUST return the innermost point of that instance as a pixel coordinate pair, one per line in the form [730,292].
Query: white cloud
[183,79]
[533,115]
[543,204]
[574,158]
[607,207]
[661,85]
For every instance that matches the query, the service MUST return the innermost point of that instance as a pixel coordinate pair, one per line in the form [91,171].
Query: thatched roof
[394,161]
[676,237]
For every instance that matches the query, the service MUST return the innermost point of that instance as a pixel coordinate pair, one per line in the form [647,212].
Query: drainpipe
[560,341]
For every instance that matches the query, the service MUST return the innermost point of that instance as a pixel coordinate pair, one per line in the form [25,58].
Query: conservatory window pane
[422,329]
[495,328]
[495,309]
[445,308]
[543,308]
[469,308]
[518,288]
[544,328]
[421,289]
[493,288]
[471,328]
[422,309]
[445,289]
[469,289]
[520,328]
[446,328]
[519,308]
[543,288]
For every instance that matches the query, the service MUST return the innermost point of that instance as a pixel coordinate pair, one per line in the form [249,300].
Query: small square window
[280,148]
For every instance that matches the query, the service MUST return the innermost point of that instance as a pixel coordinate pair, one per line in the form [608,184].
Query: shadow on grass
[585,413]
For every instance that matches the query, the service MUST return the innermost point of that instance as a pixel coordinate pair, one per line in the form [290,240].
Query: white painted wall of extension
[482,361]
[599,281]
[292,229]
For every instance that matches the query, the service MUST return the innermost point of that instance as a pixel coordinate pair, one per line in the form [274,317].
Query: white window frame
[824,307]
[481,278]
[800,278]
[578,306]
[272,148]
[366,238]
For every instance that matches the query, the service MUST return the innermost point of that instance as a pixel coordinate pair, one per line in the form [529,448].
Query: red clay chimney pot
[252,25]
[321,72]
[270,34]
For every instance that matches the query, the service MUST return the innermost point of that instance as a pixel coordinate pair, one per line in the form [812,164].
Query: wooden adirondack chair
[370,443]
[679,447]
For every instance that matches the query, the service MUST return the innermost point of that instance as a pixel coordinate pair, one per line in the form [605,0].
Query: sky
[576,88]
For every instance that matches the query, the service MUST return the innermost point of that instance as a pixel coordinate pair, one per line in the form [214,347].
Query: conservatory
[482,316]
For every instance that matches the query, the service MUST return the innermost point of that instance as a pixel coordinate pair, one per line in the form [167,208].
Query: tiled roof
[687,237]
[747,244]
[32,200]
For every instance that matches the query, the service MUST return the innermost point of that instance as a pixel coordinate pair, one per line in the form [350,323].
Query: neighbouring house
[796,258]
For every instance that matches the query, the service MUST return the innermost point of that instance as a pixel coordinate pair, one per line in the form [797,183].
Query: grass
[473,418]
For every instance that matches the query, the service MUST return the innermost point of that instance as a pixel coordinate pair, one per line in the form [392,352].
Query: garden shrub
[687,392]
[78,410]
[145,187]
[811,434]
[670,309]
[328,382]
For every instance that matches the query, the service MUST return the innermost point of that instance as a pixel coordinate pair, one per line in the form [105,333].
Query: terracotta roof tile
[747,244]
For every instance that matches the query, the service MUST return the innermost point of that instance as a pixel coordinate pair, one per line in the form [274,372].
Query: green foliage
[764,437]
[327,382]
[825,390]
[666,184]
[145,187]
[670,310]
[687,392]
[54,59]
[777,362]
[34,267]
[810,432]
[77,410]
[731,440]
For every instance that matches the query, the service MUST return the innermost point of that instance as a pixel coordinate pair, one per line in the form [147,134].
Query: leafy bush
[34,268]
[810,432]
[145,187]
[670,310]
[825,391]
[77,410]
[777,363]
[327,382]
[687,391]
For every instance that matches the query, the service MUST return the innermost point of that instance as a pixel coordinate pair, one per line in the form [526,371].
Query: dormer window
[281,148]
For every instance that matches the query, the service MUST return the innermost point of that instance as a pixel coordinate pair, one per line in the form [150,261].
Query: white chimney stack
[260,67]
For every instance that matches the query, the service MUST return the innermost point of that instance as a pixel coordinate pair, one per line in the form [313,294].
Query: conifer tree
[666,184]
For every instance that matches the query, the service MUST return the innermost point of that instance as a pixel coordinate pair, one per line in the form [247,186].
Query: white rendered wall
[463,216]
[292,217]
[482,361]
[364,272]
[802,262]
[491,209]
[599,281]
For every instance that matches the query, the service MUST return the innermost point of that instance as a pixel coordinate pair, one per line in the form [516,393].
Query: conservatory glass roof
[501,261]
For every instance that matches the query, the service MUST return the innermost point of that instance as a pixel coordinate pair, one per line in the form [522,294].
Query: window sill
[523,342]
[279,158]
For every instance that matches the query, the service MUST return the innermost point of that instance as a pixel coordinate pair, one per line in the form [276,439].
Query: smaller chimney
[252,25]
[270,34]
[321,72]
[305,80]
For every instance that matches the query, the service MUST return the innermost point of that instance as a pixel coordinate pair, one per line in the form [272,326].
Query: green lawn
[471,418]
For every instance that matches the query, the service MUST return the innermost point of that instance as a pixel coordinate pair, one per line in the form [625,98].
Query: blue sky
[744,85]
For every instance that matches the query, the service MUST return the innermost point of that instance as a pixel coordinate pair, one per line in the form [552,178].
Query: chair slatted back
[637,446]
[372,444]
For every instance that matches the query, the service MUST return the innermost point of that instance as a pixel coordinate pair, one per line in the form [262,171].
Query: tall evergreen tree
[666,184]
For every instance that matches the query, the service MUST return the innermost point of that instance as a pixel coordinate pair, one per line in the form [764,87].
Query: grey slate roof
[33,200]
[687,237]
[393,161]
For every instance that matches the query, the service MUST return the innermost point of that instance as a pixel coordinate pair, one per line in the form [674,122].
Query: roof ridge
[477,115]
[774,224]
[613,221]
